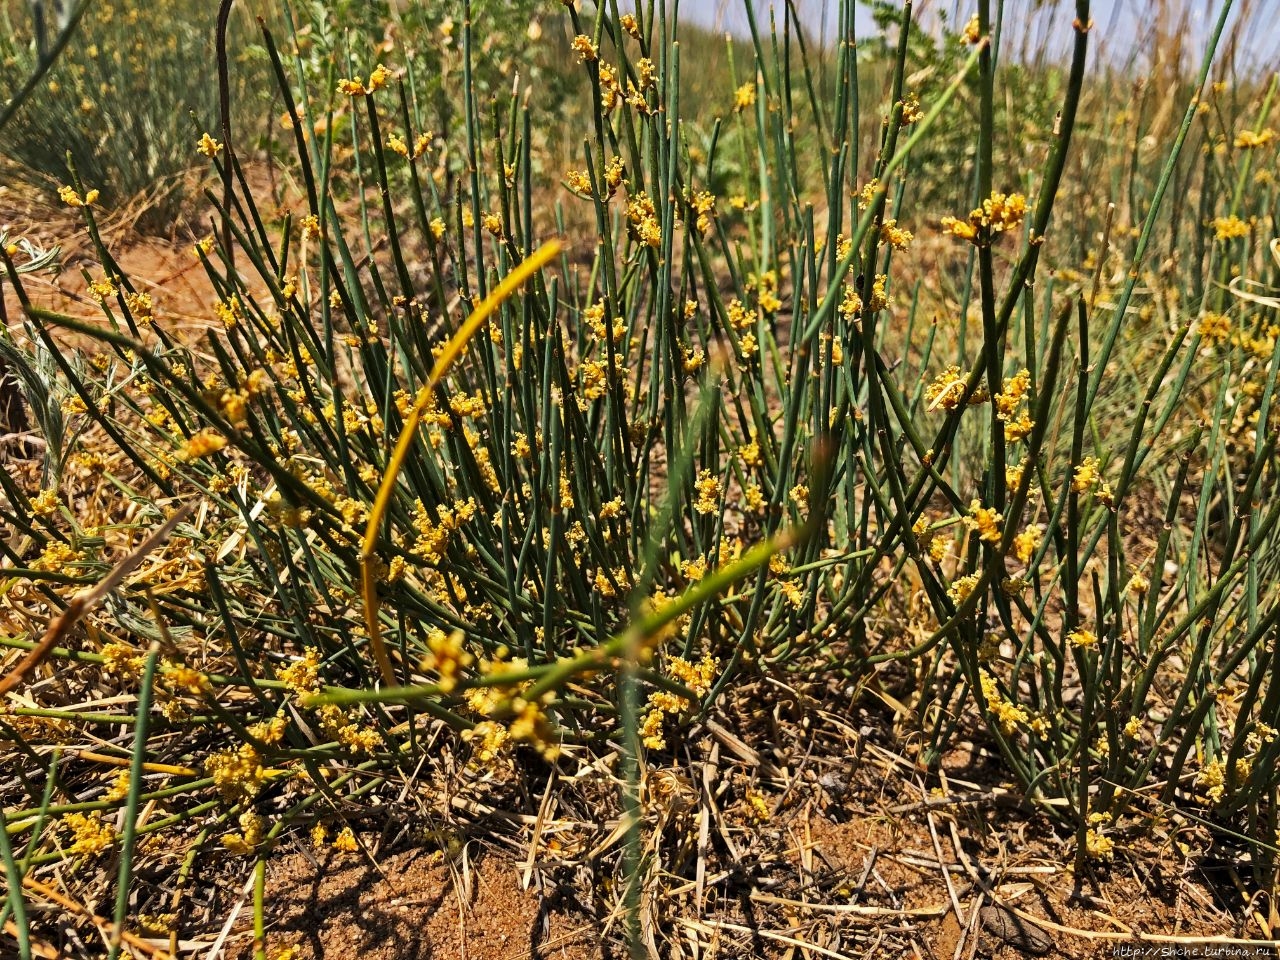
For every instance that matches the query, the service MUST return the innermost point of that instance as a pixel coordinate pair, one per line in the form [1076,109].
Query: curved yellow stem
[448,354]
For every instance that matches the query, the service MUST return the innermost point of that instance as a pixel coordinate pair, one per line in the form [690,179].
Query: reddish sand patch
[413,906]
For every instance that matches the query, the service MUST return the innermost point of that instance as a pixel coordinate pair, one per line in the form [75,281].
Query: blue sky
[1123,27]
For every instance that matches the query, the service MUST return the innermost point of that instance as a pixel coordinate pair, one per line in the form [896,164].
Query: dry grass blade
[853,909]
[42,950]
[102,923]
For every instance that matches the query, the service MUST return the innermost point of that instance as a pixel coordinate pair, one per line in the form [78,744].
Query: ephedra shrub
[717,434]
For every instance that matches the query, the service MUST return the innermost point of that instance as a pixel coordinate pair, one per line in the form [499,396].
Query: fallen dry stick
[84,601]
[102,923]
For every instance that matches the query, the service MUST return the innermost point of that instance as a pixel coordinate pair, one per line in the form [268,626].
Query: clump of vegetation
[459,479]
[123,102]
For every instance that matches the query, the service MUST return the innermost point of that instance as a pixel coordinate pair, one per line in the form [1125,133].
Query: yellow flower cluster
[697,677]
[578,181]
[182,679]
[102,289]
[447,656]
[269,731]
[866,196]
[345,841]
[928,539]
[1027,542]
[911,110]
[880,299]
[464,405]
[947,389]
[1252,139]
[740,318]
[1215,327]
[1017,423]
[508,721]
[69,196]
[692,359]
[520,447]
[355,736]
[614,171]
[230,312]
[236,771]
[595,379]
[1009,399]
[530,725]
[703,204]
[643,221]
[356,87]
[1097,845]
[90,835]
[57,556]
[1212,778]
[604,581]
[202,444]
[585,48]
[73,405]
[708,487]
[121,659]
[695,569]
[792,593]
[253,830]
[397,145]
[141,306]
[766,289]
[999,213]
[897,237]
[1230,228]
[594,317]
[302,677]
[961,588]
[45,503]
[1087,475]
[1013,478]
[646,74]
[1137,586]
[434,535]
[1008,715]
[756,805]
[985,520]
[489,741]
[1082,638]
[851,304]
[208,146]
